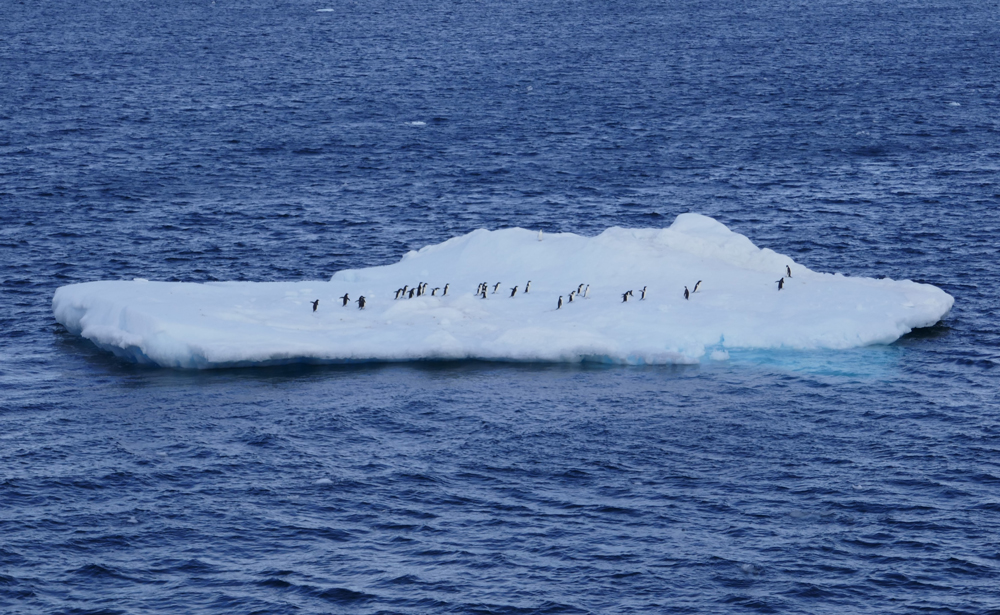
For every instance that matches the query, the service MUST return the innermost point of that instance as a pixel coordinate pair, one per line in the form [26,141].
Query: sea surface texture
[284,141]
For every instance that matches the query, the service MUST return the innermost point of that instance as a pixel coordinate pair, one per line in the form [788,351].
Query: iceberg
[737,306]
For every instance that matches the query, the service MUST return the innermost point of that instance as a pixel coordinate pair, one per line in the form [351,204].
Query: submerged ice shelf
[187,325]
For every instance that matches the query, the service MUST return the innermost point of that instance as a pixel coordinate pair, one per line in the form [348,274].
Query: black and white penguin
[412,290]
[571,293]
[781,283]
[687,295]
[579,289]
[513,291]
[361,302]
[696,287]
[788,271]
[405,288]
[398,290]
[434,291]
[586,292]
[625,297]
[527,287]
[559,306]
[642,296]
[479,289]
[315,304]
[420,288]
[346,299]
[495,287]
[445,290]
[483,295]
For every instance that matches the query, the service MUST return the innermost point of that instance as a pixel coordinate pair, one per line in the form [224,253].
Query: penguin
[435,290]
[696,287]
[420,288]
[527,287]
[788,271]
[479,289]
[361,302]
[571,293]
[539,235]
[495,287]
[346,299]
[586,292]
[559,306]
[405,288]
[315,304]
[445,290]
[625,297]
[642,297]
[483,295]
[424,290]
[687,295]
[398,290]
[781,283]
[513,291]
[579,289]
[412,290]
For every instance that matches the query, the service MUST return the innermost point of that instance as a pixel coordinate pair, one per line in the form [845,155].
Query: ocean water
[280,140]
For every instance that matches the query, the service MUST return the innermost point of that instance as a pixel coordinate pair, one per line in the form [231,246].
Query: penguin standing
[479,289]
[435,290]
[483,295]
[405,288]
[586,292]
[361,302]
[696,287]
[579,289]
[781,283]
[788,271]
[559,306]
[445,290]
[687,295]
[527,287]
[398,290]
[495,287]
[642,297]
[346,299]
[625,297]
[571,293]
[412,290]
[420,288]
[513,291]
[539,235]
[315,304]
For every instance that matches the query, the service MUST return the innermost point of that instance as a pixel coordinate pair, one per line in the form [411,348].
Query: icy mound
[737,306]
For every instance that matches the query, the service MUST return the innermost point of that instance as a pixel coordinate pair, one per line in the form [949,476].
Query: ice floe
[737,306]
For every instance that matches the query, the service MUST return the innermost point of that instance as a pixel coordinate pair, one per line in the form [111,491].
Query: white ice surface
[188,325]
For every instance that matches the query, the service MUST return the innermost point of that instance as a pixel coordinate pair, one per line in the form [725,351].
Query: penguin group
[687,294]
[418,291]
[583,290]
[483,290]
[788,274]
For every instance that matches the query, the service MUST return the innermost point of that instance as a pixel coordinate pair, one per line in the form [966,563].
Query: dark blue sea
[271,140]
